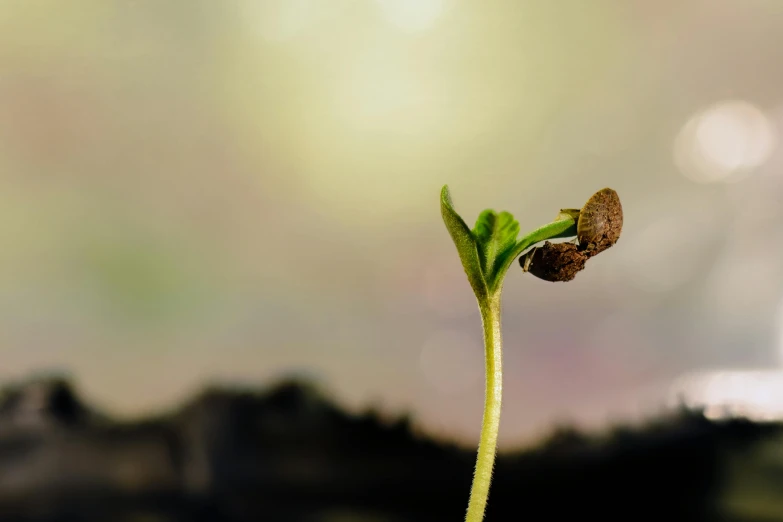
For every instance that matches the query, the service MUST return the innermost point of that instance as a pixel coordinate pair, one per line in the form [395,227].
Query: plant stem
[493,351]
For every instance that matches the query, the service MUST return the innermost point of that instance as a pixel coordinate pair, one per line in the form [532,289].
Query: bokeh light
[724,142]
[779,337]
[752,394]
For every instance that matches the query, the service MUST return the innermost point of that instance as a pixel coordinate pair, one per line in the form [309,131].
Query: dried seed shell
[554,261]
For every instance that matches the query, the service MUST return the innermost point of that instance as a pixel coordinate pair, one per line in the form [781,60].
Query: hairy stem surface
[479,492]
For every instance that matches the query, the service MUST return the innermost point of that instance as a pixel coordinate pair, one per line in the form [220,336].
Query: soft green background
[194,190]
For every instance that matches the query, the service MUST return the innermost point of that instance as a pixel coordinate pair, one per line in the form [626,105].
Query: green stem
[479,492]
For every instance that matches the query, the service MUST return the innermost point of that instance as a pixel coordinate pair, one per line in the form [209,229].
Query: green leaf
[496,235]
[464,241]
[488,250]
[564,226]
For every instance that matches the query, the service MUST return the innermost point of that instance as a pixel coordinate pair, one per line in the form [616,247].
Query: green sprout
[486,253]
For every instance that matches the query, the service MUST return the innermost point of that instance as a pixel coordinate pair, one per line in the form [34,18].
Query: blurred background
[195,192]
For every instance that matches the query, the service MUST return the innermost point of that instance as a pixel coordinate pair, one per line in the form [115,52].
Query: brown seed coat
[600,222]
[554,261]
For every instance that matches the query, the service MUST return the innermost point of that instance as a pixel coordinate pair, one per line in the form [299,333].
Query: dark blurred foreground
[289,455]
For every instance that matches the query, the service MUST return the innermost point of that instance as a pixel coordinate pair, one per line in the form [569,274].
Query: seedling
[486,253]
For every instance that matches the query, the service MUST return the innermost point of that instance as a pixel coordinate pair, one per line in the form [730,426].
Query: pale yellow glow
[369,119]
[411,15]
[381,91]
[281,20]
